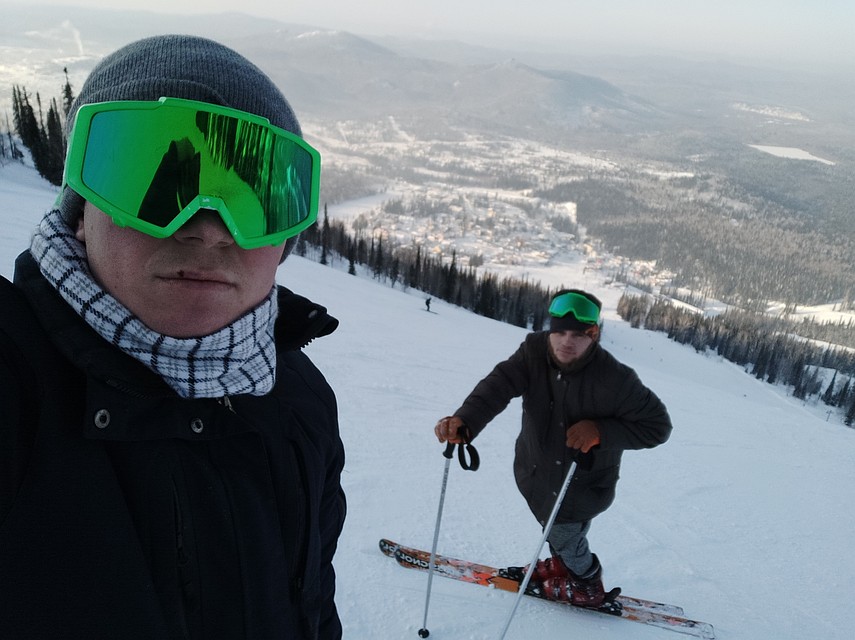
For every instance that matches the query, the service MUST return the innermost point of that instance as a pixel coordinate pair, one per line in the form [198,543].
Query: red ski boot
[552,567]
[582,591]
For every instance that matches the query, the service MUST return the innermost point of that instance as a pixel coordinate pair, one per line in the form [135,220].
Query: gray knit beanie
[180,66]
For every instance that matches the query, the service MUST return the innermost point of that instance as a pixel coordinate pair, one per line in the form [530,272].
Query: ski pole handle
[449,450]
[584,460]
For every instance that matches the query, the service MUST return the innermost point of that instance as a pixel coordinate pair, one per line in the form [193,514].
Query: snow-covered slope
[744,517]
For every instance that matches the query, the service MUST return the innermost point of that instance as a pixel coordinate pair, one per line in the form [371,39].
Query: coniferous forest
[42,133]
[771,349]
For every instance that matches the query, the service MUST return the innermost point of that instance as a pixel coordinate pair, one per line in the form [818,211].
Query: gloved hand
[584,436]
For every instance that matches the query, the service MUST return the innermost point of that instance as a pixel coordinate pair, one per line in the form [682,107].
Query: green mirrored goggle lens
[152,165]
[581,307]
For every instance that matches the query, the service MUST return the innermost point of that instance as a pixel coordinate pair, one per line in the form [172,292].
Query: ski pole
[470,465]
[533,564]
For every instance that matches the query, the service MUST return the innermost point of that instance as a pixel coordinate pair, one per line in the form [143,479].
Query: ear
[593,332]
[80,232]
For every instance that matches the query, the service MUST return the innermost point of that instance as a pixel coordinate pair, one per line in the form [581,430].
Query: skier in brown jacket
[579,403]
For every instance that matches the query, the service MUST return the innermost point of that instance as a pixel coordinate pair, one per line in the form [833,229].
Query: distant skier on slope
[578,400]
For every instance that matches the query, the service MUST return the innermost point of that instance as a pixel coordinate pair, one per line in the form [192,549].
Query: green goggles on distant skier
[581,307]
[152,165]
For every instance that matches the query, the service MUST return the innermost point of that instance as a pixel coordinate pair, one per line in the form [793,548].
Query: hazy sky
[774,30]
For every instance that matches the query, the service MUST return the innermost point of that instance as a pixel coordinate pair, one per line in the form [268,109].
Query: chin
[183,329]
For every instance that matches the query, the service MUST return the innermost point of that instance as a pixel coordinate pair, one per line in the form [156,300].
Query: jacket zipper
[302,541]
[227,403]
[184,582]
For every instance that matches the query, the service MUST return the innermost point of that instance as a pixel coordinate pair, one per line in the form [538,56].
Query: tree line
[516,301]
[766,347]
[41,132]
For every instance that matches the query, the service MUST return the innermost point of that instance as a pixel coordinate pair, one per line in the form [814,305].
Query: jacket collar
[299,322]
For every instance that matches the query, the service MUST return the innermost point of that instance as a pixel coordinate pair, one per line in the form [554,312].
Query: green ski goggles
[152,165]
[581,307]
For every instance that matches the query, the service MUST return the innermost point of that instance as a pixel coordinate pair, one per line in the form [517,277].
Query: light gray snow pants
[570,541]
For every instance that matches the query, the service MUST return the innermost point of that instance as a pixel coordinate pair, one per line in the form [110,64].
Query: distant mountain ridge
[334,75]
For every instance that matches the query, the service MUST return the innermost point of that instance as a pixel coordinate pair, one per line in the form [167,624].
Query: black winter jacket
[128,512]
[599,388]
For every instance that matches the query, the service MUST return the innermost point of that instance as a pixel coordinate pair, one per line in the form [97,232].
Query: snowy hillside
[744,517]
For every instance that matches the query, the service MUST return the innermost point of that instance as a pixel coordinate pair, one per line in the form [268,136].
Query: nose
[570,339]
[568,342]
[205,227]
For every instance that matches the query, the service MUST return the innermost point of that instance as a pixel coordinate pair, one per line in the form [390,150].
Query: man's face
[191,284]
[568,346]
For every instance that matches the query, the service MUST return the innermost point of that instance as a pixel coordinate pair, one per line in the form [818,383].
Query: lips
[196,277]
[212,277]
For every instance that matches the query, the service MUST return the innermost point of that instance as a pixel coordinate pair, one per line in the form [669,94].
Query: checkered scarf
[238,359]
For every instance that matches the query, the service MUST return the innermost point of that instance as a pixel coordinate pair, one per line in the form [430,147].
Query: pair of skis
[657,614]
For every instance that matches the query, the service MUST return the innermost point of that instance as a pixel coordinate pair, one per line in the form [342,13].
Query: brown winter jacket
[628,414]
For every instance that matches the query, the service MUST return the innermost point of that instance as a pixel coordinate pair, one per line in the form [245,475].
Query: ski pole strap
[468,464]
[474,459]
